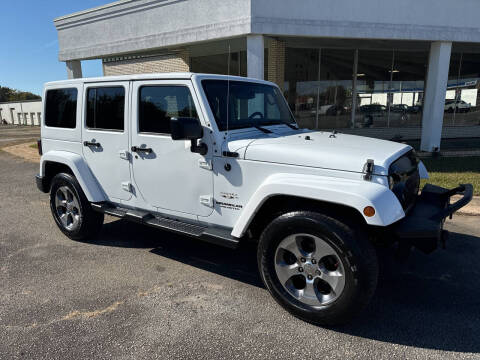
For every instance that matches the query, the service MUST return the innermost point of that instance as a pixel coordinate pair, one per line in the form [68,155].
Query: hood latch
[368,169]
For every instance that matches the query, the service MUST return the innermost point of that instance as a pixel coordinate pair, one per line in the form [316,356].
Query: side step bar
[215,235]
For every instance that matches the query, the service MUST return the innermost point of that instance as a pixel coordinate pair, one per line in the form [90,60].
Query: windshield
[250,104]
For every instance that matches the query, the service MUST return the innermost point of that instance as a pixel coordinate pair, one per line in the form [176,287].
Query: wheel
[71,209]
[316,267]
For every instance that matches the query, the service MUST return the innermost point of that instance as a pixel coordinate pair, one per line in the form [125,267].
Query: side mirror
[188,129]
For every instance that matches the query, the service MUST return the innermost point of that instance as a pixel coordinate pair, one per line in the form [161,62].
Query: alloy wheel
[309,269]
[67,208]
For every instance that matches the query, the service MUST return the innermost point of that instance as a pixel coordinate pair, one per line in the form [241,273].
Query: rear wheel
[316,267]
[71,209]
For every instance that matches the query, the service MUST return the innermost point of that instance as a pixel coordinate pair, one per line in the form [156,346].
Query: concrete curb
[472,209]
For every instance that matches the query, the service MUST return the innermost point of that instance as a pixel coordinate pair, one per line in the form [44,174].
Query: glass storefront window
[218,64]
[319,87]
[390,88]
[301,84]
[373,88]
[335,88]
[462,101]
[407,88]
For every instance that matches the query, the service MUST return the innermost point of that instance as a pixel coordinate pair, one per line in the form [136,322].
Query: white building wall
[430,20]
[21,113]
[134,26]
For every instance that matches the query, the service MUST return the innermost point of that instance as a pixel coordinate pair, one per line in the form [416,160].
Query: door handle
[139,149]
[90,143]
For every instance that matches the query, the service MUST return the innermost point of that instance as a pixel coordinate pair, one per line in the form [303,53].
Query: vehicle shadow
[240,264]
[430,301]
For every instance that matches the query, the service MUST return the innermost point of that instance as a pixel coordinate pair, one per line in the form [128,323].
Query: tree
[7,94]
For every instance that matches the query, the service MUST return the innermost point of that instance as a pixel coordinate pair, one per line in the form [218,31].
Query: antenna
[228,91]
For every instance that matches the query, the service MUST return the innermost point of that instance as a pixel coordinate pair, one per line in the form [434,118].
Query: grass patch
[448,172]
[33,146]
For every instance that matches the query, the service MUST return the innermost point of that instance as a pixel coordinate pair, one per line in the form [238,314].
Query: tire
[71,209]
[353,258]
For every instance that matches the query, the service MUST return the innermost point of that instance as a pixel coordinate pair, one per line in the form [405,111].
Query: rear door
[105,136]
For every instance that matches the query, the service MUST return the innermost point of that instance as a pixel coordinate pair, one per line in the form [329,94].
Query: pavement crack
[91,314]
[73,315]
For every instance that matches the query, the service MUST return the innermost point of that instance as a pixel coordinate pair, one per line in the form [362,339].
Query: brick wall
[142,64]
[276,62]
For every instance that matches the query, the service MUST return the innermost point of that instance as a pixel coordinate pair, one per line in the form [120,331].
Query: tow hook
[444,237]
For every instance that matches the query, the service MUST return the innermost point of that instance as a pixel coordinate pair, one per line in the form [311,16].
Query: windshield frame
[254,123]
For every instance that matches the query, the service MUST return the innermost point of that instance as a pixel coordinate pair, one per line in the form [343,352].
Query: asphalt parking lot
[14,134]
[137,292]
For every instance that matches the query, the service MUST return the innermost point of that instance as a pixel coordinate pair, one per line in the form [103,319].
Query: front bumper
[42,184]
[423,226]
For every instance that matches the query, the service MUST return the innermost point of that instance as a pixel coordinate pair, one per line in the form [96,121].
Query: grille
[405,179]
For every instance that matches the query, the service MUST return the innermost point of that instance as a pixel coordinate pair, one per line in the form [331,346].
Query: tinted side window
[160,103]
[105,108]
[61,108]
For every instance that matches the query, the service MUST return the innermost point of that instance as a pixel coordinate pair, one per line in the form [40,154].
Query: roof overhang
[130,26]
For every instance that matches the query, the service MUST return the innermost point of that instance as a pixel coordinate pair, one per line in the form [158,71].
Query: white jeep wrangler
[222,159]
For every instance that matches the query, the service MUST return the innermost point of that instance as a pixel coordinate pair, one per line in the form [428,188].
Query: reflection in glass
[319,87]
[158,104]
[390,88]
[218,64]
[105,108]
[462,101]
[335,88]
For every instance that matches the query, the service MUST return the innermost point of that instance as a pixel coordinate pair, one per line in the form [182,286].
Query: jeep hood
[324,150]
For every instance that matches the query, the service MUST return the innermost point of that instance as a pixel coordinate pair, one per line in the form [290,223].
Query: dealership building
[390,69]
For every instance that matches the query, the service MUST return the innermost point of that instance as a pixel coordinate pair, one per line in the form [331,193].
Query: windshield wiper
[291,126]
[266,131]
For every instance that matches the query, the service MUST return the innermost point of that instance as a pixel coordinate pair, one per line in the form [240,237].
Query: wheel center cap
[69,207]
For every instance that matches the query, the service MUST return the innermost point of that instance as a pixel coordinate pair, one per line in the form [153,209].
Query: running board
[212,234]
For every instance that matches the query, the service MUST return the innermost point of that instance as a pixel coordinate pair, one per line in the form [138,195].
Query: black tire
[89,223]
[357,255]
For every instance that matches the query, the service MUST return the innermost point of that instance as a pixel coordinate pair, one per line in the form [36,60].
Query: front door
[169,177]
[105,137]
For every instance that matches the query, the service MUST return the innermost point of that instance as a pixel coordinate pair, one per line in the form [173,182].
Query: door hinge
[127,186]
[205,164]
[206,200]
[124,154]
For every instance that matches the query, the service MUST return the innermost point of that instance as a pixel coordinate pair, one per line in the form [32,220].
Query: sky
[29,45]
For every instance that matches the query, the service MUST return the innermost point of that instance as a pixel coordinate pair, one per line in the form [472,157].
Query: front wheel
[316,267]
[71,209]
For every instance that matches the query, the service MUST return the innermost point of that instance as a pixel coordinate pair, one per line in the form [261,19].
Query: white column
[74,69]
[435,92]
[255,56]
